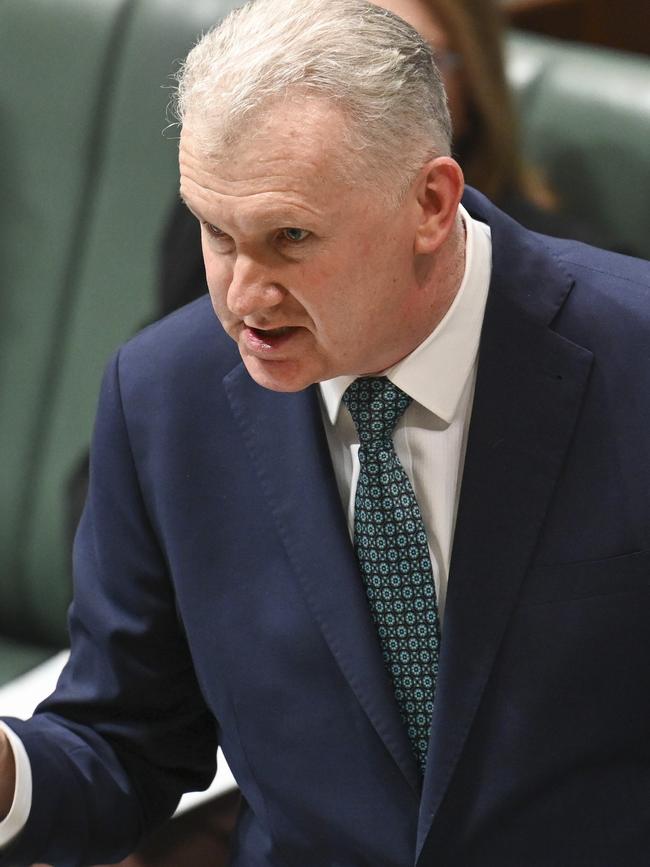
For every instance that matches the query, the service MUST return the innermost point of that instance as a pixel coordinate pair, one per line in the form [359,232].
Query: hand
[7,775]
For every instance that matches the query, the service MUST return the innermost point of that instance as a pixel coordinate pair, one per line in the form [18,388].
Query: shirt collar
[435,372]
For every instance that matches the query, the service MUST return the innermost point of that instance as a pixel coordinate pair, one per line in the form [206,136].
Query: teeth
[273,332]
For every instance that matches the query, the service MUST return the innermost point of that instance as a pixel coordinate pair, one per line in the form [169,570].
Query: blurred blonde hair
[490,152]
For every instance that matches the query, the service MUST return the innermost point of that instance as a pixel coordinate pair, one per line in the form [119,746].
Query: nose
[252,288]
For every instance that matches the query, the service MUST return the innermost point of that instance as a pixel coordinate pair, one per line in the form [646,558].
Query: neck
[443,276]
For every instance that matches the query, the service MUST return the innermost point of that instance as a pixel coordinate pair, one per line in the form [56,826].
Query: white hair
[363,60]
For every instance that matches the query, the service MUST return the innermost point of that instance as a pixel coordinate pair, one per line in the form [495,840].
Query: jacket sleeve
[126,731]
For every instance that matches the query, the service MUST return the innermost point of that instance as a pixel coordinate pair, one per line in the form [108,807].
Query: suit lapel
[528,395]
[284,436]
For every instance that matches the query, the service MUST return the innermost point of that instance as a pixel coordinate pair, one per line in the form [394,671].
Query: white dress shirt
[431,436]
[14,822]
[430,441]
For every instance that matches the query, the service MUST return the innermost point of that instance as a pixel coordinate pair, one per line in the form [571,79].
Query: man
[265,559]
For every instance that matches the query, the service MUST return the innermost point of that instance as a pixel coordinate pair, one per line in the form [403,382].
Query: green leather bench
[86,182]
[585,120]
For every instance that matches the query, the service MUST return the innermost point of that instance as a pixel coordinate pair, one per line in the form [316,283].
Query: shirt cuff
[16,820]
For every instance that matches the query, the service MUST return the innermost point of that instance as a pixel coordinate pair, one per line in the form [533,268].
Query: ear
[439,188]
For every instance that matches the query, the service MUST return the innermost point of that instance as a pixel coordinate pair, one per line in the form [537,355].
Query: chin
[285,376]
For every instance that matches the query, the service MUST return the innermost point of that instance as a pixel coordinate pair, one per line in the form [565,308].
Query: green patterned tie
[391,546]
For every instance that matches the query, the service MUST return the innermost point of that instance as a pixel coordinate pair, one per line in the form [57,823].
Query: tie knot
[376,405]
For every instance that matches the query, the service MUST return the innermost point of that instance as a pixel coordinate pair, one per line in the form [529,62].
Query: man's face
[311,276]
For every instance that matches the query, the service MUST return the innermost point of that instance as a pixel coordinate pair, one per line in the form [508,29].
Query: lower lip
[265,342]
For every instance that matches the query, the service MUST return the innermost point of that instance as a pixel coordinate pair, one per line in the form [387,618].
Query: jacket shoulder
[602,266]
[608,308]
[181,347]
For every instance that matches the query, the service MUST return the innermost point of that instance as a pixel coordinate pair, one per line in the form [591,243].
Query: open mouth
[268,339]
[270,333]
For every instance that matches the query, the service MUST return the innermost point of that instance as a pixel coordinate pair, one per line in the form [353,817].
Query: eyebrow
[184,200]
[275,219]
[189,207]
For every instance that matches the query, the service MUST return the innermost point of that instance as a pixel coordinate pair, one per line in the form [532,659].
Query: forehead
[296,149]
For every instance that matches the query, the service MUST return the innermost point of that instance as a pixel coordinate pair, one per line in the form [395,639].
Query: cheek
[218,276]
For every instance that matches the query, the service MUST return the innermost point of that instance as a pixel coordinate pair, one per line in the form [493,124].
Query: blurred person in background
[467,40]
[467,37]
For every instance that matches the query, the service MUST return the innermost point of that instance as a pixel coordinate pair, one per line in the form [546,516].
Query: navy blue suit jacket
[218,600]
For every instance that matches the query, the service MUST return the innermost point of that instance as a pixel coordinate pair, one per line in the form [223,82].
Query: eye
[214,231]
[294,235]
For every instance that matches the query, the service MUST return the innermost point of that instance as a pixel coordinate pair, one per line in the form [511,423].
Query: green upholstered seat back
[585,119]
[54,70]
[87,179]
